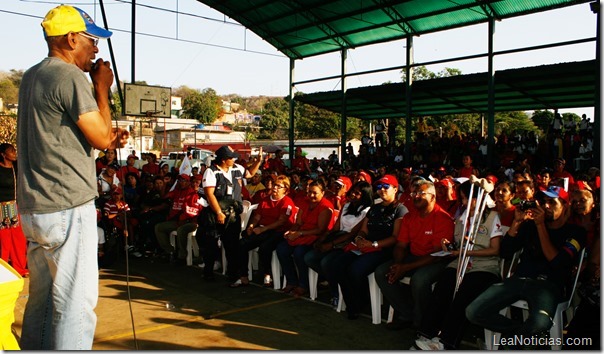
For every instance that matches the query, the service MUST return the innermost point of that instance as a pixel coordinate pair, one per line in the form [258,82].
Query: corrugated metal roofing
[566,85]
[304,28]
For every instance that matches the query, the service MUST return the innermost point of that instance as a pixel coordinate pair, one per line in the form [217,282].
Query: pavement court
[172,308]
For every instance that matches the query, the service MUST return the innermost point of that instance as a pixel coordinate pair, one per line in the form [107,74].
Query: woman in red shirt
[314,219]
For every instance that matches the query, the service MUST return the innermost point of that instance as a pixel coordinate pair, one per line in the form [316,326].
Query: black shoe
[397,325]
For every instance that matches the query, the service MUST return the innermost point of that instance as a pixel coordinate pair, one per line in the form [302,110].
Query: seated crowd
[348,224]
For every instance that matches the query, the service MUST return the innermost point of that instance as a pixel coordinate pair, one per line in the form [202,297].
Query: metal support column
[133,42]
[408,88]
[597,153]
[344,114]
[491,102]
[292,65]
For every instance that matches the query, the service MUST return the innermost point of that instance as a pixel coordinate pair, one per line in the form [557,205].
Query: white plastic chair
[375,296]
[192,246]
[556,331]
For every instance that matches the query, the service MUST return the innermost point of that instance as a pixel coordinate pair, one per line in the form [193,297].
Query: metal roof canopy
[567,85]
[304,28]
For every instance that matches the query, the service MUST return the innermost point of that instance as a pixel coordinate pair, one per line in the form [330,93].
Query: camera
[525,205]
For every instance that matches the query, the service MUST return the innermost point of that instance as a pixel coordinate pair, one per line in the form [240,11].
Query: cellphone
[525,205]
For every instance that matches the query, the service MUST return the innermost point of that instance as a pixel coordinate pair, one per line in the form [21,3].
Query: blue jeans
[351,271]
[64,279]
[292,257]
[318,261]
[422,278]
[542,297]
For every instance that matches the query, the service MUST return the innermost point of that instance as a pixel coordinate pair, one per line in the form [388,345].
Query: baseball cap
[560,161]
[118,190]
[444,182]
[184,176]
[64,19]
[556,192]
[198,177]
[491,179]
[366,176]
[345,181]
[388,179]
[225,152]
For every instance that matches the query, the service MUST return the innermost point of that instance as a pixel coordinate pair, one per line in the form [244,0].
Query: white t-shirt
[349,221]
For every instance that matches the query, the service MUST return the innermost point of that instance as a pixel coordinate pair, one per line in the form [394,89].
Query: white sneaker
[424,343]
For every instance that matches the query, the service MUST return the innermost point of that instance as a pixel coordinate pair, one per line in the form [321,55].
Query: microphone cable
[118,151]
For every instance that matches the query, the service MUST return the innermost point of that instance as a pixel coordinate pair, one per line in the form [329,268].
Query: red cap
[345,181]
[445,182]
[118,190]
[491,179]
[389,179]
[366,176]
[185,177]
[198,177]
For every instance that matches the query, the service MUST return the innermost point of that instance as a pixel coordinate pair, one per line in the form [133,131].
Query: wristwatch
[374,244]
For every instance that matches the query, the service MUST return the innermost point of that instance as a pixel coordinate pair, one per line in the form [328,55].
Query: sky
[201,48]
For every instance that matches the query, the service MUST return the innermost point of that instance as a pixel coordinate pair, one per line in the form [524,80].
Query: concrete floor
[172,308]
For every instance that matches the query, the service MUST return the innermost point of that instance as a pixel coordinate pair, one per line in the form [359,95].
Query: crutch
[482,187]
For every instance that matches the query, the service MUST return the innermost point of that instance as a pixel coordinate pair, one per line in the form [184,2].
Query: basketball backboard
[144,100]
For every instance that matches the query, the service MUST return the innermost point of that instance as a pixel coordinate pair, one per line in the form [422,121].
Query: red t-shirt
[270,210]
[310,220]
[424,234]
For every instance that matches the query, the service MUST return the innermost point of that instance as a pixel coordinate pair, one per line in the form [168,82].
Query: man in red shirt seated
[182,218]
[421,232]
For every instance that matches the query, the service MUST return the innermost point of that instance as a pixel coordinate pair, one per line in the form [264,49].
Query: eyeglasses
[95,40]
[278,186]
[419,194]
[383,186]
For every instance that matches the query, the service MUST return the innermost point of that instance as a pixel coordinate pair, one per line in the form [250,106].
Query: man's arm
[96,125]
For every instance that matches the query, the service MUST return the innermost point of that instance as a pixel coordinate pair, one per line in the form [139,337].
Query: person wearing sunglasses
[371,247]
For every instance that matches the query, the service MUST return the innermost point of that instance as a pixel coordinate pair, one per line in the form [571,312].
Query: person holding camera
[551,247]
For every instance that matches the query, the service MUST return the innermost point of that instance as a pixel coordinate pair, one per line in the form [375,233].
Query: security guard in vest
[222,184]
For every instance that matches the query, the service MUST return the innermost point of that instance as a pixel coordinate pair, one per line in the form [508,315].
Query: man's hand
[396,272]
[119,138]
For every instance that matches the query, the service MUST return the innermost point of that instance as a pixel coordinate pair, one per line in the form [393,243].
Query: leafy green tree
[274,123]
[422,73]
[543,119]
[204,106]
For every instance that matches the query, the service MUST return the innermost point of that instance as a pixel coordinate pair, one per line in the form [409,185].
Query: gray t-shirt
[56,163]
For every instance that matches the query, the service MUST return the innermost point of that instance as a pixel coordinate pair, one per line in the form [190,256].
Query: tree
[204,106]
[8,128]
[422,73]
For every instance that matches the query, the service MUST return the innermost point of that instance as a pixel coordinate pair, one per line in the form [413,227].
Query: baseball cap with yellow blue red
[65,18]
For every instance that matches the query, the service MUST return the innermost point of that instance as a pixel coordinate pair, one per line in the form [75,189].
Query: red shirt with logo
[424,234]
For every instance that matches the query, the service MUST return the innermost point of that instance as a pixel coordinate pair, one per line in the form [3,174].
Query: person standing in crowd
[61,114]
[13,246]
[222,184]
